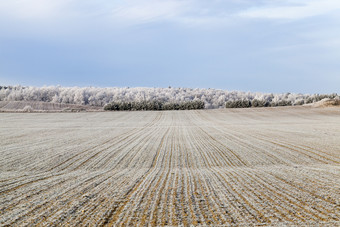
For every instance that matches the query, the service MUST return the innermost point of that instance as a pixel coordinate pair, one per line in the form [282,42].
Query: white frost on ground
[258,166]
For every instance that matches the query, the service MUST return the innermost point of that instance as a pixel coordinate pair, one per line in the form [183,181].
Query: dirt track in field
[219,167]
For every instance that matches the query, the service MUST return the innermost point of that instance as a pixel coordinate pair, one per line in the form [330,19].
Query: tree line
[154,105]
[170,97]
[247,103]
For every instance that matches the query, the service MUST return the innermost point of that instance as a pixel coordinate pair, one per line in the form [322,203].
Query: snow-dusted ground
[35,106]
[221,167]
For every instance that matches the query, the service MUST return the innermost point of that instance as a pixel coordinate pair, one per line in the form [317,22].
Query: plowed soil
[266,166]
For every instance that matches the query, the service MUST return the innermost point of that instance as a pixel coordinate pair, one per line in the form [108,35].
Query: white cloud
[31,9]
[130,12]
[147,11]
[125,10]
[296,9]
[120,13]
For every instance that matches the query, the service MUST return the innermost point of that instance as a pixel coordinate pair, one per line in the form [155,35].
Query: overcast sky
[249,45]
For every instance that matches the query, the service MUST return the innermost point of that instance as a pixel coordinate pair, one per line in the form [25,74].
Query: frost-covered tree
[212,98]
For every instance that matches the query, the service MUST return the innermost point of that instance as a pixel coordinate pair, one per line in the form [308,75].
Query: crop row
[170,168]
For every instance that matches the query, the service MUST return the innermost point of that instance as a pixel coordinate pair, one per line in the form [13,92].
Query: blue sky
[249,45]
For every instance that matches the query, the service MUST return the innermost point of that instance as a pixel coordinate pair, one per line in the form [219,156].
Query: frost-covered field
[219,167]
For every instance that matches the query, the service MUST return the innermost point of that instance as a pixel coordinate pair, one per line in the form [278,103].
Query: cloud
[123,10]
[130,12]
[294,10]
[143,12]
[193,12]
[31,9]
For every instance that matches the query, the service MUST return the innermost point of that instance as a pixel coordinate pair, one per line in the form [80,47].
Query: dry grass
[222,167]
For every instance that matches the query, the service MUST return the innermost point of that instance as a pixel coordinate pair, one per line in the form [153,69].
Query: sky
[248,45]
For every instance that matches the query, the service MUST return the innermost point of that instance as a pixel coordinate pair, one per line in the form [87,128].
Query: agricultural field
[34,106]
[230,167]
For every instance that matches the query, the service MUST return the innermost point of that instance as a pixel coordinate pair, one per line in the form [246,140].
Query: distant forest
[140,98]
[155,105]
